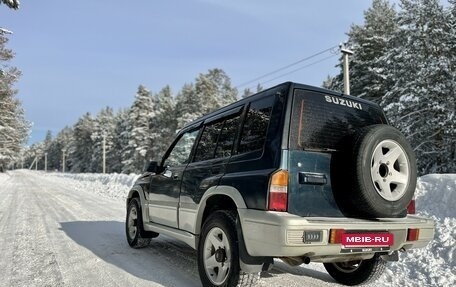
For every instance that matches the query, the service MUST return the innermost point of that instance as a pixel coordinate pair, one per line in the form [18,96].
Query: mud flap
[247,263]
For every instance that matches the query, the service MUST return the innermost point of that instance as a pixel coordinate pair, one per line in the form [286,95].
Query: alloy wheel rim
[217,256]
[390,170]
[132,220]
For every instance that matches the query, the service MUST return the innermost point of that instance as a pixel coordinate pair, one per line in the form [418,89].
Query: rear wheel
[137,237]
[218,254]
[356,272]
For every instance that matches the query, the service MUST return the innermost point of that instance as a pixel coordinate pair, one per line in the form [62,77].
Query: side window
[256,125]
[218,138]
[226,139]
[181,151]
[208,141]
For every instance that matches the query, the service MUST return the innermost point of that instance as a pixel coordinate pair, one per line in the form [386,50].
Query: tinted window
[227,136]
[208,141]
[321,122]
[256,125]
[181,151]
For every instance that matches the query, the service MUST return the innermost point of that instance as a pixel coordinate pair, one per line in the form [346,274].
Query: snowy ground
[67,230]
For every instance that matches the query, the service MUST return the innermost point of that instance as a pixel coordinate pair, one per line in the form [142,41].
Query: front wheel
[136,235]
[356,272]
[218,253]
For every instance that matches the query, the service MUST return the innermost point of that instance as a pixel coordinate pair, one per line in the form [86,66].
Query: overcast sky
[80,56]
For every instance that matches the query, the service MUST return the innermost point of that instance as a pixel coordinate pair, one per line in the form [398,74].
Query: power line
[298,69]
[286,67]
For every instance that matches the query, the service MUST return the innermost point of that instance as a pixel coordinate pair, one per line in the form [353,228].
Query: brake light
[411,207]
[278,191]
[335,236]
[413,234]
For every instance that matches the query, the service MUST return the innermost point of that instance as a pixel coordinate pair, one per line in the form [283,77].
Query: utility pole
[33,162]
[45,161]
[63,160]
[36,163]
[104,153]
[346,52]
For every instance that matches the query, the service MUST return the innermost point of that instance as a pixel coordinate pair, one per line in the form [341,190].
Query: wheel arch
[229,198]
[137,192]
[218,198]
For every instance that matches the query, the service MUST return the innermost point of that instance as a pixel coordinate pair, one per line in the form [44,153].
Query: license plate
[367,239]
[312,236]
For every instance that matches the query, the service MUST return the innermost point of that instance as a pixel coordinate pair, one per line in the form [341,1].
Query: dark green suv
[294,172]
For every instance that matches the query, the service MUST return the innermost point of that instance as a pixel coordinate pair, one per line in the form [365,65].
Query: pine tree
[103,128]
[164,124]
[13,126]
[421,66]
[57,147]
[81,148]
[187,106]
[213,90]
[138,151]
[369,42]
[119,141]
[13,4]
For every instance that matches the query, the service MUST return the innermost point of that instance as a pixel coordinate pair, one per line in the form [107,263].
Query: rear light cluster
[411,207]
[335,236]
[278,191]
[413,234]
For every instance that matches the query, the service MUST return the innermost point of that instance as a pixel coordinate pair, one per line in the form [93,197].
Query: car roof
[286,86]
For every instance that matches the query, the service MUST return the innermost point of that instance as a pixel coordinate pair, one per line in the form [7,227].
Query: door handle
[312,178]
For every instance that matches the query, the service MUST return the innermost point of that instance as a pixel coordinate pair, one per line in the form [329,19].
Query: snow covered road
[68,230]
[55,235]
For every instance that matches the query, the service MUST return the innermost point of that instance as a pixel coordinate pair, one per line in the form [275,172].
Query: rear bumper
[279,234]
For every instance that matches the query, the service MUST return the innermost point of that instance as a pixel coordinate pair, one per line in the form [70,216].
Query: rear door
[213,151]
[319,126]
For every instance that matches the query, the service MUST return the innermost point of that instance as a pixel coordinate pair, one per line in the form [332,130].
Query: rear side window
[256,125]
[208,141]
[321,122]
[217,139]
[227,136]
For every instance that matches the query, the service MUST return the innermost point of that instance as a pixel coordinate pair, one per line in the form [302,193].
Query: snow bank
[434,265]
[109,185]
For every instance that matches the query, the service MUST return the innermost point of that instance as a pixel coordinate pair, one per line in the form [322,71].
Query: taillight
[335,236]
[413,234]
[278,191]
[411,207]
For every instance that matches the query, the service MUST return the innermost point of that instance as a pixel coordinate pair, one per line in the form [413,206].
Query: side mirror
[152,167]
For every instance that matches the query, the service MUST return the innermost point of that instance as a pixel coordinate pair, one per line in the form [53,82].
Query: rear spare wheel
[379,177]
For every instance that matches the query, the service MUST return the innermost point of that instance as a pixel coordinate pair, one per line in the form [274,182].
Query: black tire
[356,272]
[222,225]
[366,183]
[137,237]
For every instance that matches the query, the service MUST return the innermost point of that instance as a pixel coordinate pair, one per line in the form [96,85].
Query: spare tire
[374,173]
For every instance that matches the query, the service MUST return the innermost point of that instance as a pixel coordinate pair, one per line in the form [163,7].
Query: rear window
[320,121]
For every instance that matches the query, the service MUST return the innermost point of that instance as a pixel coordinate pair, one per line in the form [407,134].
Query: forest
[404,59]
